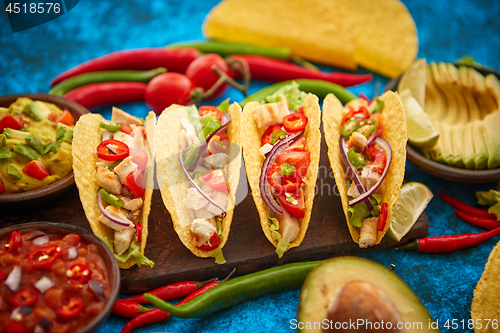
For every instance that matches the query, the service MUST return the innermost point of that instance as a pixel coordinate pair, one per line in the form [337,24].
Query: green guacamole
[41,138]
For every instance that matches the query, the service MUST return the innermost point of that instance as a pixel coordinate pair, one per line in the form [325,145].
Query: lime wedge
[411,203]
[421,131]
[414,80]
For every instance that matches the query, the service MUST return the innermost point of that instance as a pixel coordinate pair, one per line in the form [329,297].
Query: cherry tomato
[382,218]
[66,118]
[9,122]
[36,169]
[201,73]
[214,242]
[79,274]
[282,183]
[266,137]
[293,202]
[300,159]
[45,256]
[378,159]
[104,153]
[27,296]
[294,122]
[361,114]
[135,184]
[167,89]
[215,182]
[13,327]
[14,242]
[71,309]
[209,109]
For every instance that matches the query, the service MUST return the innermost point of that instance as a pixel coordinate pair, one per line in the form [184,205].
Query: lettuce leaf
[282,246]
[217,254]
[133,253]
[491,199]
[293,94]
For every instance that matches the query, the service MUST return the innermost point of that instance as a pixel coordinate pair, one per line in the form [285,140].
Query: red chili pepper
[169,292]
[14,242]
[478,221]
[268,69]
[128,309]
[382,218]
[71,309]
[138,227]
[363,96]
[105,153]
[294,122]
[107,93]
[175,60]
[451,243]
[79,274]
[27,296]
[481,212]
[45,256]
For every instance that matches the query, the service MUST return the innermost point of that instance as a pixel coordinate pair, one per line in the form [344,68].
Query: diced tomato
[360,114]
[378,159]
[72,309]
[283,183]
[13,327]
[266,137]
[219,144]
[300,159]
[14,242]
[53,116]
[66,118]
[126,129]
[139,157]
[215,182]
[79,274]
[294,122]
[300,144]
[36,169]
[138,228]
[214,242]
[27,296]
[9,122]
[382,218]
[293,202]
[135,184]
[2,188]
[209,109]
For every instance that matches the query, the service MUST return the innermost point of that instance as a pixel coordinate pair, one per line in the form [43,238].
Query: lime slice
[411,203]
[413,79]
[421,131]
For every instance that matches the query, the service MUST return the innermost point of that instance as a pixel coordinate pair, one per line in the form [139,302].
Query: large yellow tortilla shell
[172,180]
[394,132]
[86,137]
[251,137]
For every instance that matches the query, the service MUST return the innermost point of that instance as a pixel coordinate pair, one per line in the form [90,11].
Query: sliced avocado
[457,137]
[436,152]
[440,74]
[336,290]
[15,134]
[436,103]
[445,136]
[14,172]
[474,112]
[484,99]
[491,134]
[479,145]
[37,110]
[3,140]
[493,87]
[469,150]
[26,151]
[18,106]
[456,89]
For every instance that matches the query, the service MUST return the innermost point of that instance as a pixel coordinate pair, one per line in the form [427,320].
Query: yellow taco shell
[394,132]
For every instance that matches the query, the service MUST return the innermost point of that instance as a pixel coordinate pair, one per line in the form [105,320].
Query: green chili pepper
[357,159]
[318,87]
[106,76]
[190,154]
[349,127]
[210,127]
[110,127]
[367,126]
[111,198]
[239,290]
[112,166]
[26,151]
[378,106]
[14,172]
[287,169]
[277,136]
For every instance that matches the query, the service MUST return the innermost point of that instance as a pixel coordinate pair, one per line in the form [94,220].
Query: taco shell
[86,137]
[172,180]
[394,132]
[251,137]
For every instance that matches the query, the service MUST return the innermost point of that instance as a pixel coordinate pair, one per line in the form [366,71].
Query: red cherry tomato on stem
[167,89]
[201,73]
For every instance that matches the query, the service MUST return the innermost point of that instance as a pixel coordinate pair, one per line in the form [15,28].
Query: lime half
[412,201]
[421,131]
[414,79]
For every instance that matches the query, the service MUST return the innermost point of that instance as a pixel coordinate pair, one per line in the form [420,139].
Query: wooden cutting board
[247,249]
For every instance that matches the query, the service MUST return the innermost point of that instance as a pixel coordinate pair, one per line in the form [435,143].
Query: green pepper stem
[304,63]
[410,246]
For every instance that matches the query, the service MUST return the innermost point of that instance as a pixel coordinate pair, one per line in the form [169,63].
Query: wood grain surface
[247,249]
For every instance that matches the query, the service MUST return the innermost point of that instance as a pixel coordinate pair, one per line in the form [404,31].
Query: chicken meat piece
[125,168]
[108,180]
[357,140]
[289,227]
[269,114]
[353,191]
[125,138]
[123,239]
[220,198]
[194,199]
[217,161]
[202,231]
[370,177]
[265,149]
[368,232]
[191,136]
[131,204]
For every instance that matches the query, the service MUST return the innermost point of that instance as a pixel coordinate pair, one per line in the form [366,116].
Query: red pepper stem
[142,308]
[304,63]
[241,67]
[227,277]
[410,246]
[200,284]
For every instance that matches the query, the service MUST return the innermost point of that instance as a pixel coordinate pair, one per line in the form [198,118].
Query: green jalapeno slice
[367,126]
[349,127]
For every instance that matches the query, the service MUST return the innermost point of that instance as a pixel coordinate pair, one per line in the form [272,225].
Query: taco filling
[367,157]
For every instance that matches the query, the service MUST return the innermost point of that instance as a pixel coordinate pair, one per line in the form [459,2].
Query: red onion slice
[388,152]
[197,187]
[43,326]
[371,139]
[72,253]
[41,239]
[112,149]
[106,214]
[18,313]
[44,284]
[268,161]
[96,288]
[14,279]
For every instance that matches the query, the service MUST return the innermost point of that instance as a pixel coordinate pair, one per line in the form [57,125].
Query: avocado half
[337,290]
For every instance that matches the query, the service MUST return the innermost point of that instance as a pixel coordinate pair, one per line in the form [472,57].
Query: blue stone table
[447,30]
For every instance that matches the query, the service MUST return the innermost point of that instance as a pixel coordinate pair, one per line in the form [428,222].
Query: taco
[113,169]
[198,180]
[281,148]
[366,148]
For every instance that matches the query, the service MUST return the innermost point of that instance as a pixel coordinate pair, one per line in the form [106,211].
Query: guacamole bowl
[49,189]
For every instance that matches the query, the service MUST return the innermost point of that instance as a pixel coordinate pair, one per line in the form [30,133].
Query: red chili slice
[104,153]
[45,256]
[294,122]
[79,274]
[361,114]
[14,242]
[72,309]
[286,183]
[214,242]
[211,110]
[27,296]
[382,218]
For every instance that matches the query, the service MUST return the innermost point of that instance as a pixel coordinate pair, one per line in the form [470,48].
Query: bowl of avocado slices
[36,133]
[461,105]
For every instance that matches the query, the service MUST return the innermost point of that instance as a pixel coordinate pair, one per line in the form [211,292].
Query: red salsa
[50,283]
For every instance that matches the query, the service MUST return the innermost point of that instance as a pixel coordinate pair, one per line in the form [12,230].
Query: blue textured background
[447,30]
